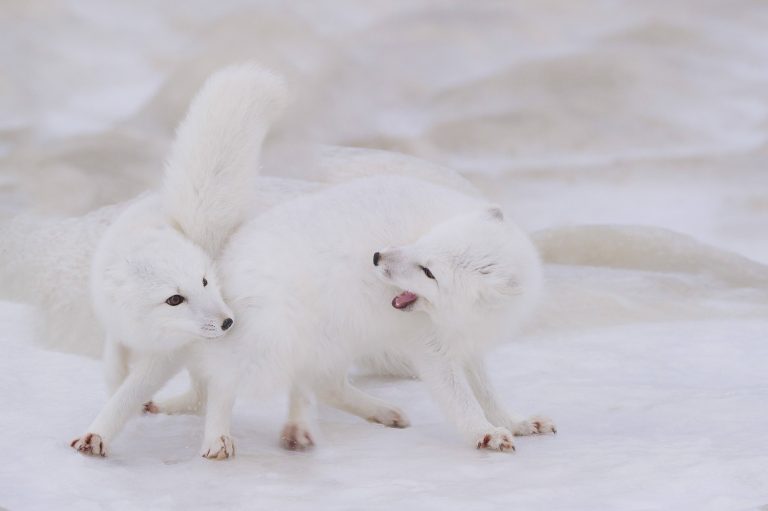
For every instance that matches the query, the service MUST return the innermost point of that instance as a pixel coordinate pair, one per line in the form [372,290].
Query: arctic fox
[155,290]
[153,280]
[383,265]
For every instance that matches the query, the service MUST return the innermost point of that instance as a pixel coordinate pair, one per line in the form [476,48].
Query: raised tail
[209,175]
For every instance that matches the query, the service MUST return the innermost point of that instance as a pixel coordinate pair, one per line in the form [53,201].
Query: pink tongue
[403,300]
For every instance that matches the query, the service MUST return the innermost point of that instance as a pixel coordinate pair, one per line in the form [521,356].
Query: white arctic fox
[153,280]
[306,297]
[378,266]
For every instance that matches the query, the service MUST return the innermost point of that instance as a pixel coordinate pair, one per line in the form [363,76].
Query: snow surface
[662,416]
[566,113]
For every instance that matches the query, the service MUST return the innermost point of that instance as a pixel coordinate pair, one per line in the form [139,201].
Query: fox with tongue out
[381,267]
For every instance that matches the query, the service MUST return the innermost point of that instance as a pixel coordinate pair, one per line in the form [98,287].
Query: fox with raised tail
[374,267]
[381,268]
[154,282]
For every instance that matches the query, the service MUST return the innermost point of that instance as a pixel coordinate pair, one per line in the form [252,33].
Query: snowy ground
[567,113]
[663,416]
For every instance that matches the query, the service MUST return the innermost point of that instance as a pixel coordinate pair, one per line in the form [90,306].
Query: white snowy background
[652,113]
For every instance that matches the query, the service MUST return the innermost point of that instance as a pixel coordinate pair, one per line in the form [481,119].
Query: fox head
[462,268]
[164,294]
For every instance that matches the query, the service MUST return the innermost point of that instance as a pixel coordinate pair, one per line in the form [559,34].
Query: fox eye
[205,282]
[427,272]
[175,300]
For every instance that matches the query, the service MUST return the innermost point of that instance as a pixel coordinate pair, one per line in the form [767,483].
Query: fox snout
[223,324]
[216,327]
[387,261]
[215,320]
[379,261]
[390,255]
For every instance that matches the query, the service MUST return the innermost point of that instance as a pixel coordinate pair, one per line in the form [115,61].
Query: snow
[644,113]
[662,416]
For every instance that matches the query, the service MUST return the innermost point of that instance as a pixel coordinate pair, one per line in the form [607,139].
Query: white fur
[216,153]
[139,264]
[162,245]
[310,302]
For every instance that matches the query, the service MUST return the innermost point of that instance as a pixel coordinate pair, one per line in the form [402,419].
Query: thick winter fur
[216,153]
[311,298]
[153,281]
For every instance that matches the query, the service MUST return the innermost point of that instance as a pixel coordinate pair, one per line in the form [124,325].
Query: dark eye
[427,272]
[175,300]
[205,282]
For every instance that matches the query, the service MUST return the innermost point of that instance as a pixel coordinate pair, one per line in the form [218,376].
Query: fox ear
[495,213]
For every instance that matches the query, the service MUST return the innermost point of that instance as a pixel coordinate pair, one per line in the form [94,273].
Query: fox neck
[467,331]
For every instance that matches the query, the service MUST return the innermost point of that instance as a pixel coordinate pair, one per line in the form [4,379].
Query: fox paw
[296,437]
[219,448]
[496,439]
[89,444]
[536,425]
[390,417]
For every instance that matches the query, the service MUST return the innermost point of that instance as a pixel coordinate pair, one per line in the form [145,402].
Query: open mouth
[404,300]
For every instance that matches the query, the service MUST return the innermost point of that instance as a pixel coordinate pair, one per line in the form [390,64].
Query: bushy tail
[652,249]
[209,174]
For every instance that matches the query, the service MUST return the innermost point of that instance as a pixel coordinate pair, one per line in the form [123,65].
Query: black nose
[227,323]
[376,257]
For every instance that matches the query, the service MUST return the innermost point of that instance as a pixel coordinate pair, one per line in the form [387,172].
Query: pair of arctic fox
[379,268]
